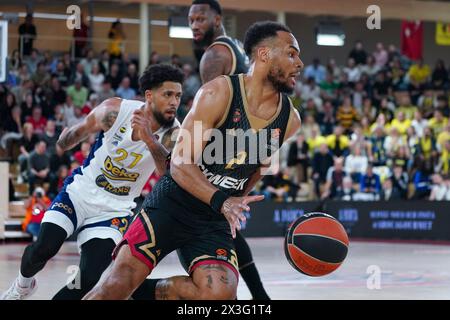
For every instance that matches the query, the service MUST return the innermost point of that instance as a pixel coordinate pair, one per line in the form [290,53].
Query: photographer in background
[37,204]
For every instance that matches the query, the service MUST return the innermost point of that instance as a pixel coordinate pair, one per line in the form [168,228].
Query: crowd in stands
[375,128]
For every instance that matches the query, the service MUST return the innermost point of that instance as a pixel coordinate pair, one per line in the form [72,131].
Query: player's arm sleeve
[210,104]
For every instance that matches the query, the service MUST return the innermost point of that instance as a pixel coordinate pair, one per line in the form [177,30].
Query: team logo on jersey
[117,137]
[237,116]
[115,223]
[103,183]
[116,173]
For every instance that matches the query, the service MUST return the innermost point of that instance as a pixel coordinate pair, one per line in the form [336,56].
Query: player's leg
[210,281]
[211,262]
[121,279]
[59,222]
[97,241]
[212,267]
[247,268]
[50,239]
[145,243]
[95,258]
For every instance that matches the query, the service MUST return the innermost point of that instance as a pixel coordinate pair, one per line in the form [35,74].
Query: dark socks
[253,281]
[248,269]
[146,291]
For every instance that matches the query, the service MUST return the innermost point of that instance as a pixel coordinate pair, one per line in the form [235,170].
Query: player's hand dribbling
[233,207]
[141,125]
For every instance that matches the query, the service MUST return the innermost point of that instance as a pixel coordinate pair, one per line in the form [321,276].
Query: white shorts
[92,220]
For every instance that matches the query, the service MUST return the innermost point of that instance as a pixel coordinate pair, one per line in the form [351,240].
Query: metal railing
[159,46]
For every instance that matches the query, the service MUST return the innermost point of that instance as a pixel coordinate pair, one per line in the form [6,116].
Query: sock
[146,291]
[25,282]
[251,277]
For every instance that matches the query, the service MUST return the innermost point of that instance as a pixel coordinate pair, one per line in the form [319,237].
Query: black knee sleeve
[50,239]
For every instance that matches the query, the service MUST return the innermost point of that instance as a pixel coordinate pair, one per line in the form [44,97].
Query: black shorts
[166,223]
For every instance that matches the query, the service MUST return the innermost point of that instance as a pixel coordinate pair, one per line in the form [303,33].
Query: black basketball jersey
[240,60]
[244,148]
[228,168]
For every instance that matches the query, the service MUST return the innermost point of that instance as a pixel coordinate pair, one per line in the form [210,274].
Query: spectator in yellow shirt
[380,122]
[401,123]
[426,148]
[444,161]
[437,123]
[443,137]
[116,36]
[338,142]
[347,114]
[406,107]
[315,141]
[419,72]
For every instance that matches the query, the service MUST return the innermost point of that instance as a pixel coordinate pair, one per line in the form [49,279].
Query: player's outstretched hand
[233,207]
[142,125]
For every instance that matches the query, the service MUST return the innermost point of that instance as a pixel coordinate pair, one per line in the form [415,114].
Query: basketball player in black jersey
[218,55]
[197,206]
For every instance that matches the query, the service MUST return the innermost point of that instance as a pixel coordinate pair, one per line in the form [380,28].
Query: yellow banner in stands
[443,34]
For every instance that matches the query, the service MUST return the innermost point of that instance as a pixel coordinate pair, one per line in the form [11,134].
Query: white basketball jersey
[117,168]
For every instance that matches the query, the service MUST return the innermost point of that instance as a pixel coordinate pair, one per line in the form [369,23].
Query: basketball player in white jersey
[97,199]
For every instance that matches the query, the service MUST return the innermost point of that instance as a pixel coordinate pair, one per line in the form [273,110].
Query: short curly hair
[213,4]
[156,74]
[260,31]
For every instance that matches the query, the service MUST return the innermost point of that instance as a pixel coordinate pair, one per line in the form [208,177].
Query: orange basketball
[316,244]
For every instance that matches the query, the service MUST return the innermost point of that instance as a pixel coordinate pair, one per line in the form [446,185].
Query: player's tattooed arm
[100,118]
[216,61]
[70,137]
[108,119]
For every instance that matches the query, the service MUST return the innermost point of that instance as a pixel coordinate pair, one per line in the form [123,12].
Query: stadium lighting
[330,34]
[179,28]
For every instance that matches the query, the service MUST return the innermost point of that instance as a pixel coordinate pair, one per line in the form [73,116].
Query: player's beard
[208,38]
[276,77]
[163,122]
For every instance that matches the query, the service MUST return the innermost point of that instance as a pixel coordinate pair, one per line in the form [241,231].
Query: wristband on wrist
[217,200]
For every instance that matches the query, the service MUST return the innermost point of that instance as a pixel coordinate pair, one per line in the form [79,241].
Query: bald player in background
[219,55]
